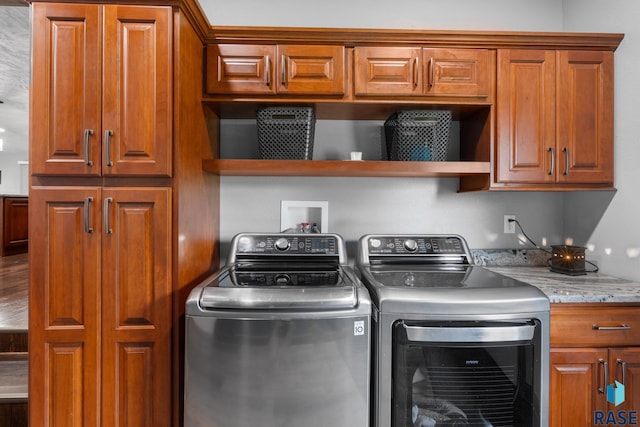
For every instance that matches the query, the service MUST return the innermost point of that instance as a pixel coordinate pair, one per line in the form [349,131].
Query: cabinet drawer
[606,325]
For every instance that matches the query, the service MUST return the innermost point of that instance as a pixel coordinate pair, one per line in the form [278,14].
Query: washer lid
[271,287]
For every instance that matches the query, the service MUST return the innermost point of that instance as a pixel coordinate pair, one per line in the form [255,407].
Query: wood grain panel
[14,230]
[65,96]
[525,116]
[66,371]
[310,70]
[459,72]
[241,69]
[575,376]
[64,306]
[387,70]
[136,293]
[137,100]
[574,325]
[585,116]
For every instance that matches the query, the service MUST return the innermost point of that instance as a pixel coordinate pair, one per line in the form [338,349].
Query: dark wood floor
[14,294]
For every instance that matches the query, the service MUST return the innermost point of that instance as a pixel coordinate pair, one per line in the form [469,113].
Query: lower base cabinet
[100,292]
[595,353]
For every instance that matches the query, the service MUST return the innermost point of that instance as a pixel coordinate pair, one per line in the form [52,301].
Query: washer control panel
[416,245]
[286,244]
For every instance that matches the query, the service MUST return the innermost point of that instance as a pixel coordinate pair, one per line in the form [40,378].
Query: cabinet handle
[553,160]
[621,363]
[87,210]
[415,72]
[605,368]
[87,158]
[565,150]
[283,73]
[268,71]
[431,73]
[106,209]
[107,142]
[622,327]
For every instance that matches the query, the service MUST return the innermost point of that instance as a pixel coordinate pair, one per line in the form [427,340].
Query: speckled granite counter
[530,266]
[561,288]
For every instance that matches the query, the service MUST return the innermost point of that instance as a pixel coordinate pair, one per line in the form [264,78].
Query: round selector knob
[410,245]
[282,244]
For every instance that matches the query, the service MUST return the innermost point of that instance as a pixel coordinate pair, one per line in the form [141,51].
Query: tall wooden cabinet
[554,118]
[116,131]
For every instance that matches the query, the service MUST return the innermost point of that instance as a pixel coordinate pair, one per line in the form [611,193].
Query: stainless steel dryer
[279,337]
[455,344]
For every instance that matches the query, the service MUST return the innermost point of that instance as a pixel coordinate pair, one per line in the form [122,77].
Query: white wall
[395,205]
[614,232]
[12,176]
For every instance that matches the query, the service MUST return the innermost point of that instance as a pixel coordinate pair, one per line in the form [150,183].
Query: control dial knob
[410,245]
[282,244]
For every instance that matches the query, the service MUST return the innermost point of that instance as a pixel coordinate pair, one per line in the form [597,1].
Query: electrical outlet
[509,226]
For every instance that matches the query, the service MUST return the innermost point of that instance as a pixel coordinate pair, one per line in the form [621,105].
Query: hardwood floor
[14,294]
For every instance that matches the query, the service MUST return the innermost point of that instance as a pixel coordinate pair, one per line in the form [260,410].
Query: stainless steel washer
[455,344]
[280,337]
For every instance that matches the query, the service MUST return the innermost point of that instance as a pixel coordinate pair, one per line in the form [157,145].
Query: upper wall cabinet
[554,118]
[275,69]
[102,90]
[401,71]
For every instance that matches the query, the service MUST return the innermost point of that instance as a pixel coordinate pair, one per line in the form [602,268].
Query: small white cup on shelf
[356,155]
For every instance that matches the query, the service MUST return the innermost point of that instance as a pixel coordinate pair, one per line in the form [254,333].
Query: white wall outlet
[294,212]
[509,226]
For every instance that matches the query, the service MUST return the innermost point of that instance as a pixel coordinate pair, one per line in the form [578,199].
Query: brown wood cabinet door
[137,100]
[576,374]
[389,71]
[585,116]
[457,72]
[525,143]
[136,295]
[15,225]
[624,366]
[310,70]
[248,69]
[66,89]
[64,307]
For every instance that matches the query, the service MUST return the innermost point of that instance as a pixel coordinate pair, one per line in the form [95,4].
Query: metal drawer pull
[431,73]
[87,225]
[107,141]
[566,161]
[268,71]
[87,157]
[605,368]
[284,70]
[553,160]
[623,365]
[415,72]
[622,327]
[105,214]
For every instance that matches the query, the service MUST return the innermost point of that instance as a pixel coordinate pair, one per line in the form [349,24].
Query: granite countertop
[530,266]
[592,287]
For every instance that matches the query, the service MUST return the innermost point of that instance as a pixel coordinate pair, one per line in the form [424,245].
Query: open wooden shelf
[343,168]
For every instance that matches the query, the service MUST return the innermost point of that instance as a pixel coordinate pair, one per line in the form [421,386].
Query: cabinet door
[66,87]
[624,365]
[136,294]
[575,376]
[64,306]
[15,225]
[457,72]
[310,70]
[248,69]
[525,149]
[389,71]
[585,117]
[137,99]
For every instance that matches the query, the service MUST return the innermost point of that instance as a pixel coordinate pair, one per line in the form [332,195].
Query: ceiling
[14,77]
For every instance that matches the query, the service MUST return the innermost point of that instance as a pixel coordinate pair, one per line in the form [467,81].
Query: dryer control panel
[435,248]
